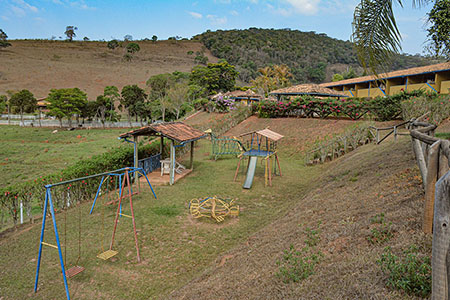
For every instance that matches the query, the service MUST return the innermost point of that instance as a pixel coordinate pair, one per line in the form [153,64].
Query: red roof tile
[177,131]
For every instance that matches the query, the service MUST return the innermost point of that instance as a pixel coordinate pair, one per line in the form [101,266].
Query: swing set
[126,183]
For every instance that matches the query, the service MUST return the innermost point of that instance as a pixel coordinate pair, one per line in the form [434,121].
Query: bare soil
[43,65]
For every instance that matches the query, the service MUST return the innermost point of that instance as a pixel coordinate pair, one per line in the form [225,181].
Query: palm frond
[375,34]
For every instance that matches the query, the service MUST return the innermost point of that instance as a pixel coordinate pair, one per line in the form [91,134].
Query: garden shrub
[438,107]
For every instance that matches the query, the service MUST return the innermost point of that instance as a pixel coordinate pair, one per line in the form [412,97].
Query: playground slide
[250,172]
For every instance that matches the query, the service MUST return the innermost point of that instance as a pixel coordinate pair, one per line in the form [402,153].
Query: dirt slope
[42,65]
[373,179]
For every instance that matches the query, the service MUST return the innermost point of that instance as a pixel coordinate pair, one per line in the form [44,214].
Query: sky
[108,19]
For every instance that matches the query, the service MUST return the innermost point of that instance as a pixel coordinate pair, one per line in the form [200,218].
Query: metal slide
[250,172]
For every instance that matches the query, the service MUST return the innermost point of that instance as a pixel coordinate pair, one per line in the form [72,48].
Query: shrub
[437,105]
[297,265]
[224,104]
[411,272]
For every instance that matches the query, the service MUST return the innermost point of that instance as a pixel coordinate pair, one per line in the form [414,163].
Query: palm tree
[375,32]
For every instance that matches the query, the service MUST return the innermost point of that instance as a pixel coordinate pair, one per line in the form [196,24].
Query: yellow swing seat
[107,254]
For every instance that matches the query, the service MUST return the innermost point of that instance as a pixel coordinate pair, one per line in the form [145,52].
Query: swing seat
[74,271]
[107,254]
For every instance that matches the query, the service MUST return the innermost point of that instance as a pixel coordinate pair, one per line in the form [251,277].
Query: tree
[133,48]
[112,93]
[86,39]
[215,77]
[132,95]
[70,32]
[178,95]
[3,100]
[375,33]
[271,78]
[154,38]
[64,103]
[337,77]
[128,37]
[439,31]
[165,105]
[113,44]
[3,39]
[23,102]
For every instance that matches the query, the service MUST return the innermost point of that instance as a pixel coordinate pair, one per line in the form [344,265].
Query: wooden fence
[432,155]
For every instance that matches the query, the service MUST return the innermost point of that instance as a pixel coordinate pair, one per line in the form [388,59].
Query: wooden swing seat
[74,271]
[107,254]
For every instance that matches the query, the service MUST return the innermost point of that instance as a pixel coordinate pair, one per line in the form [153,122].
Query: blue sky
[106,19]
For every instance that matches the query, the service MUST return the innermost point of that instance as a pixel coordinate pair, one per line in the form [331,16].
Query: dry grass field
[40,65]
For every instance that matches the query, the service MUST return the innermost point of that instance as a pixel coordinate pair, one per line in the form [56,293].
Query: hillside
[311,57]
[40,65]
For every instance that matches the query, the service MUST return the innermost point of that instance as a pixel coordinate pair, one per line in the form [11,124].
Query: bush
[411,272]
[437,105]
[224,104]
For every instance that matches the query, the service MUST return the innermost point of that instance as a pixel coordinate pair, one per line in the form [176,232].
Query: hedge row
[381,108]
[437,107]
[32,192]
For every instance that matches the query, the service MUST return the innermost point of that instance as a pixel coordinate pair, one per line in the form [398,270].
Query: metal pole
[96,195]
[52,211]
[21,212]
[44,217]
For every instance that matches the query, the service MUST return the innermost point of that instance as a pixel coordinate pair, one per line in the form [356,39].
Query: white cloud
[79,4]
[39,19]
[26,6]
[305,7]
[234,13]
[19,12]
[195,15]
[4,18]
[215,20]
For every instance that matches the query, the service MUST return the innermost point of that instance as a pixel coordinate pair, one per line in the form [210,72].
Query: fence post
[395,133]
[21,212]
[417,148]
[441,237]
[432,176]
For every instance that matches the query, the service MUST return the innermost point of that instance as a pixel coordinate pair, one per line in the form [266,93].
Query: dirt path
[371,180]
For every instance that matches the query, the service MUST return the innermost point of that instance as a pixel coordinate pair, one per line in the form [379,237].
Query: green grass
[443,135]
[174,247]
[27,153]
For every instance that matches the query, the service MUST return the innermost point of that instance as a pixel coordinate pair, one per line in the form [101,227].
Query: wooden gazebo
[179,134]
[307,89]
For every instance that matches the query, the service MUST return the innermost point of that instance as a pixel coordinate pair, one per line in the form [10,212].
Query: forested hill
[311,57]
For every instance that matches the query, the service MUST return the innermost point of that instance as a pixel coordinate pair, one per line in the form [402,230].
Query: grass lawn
[27,153]
[174,247]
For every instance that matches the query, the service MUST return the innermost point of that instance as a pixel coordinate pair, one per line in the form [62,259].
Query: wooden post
[441,236]
[417,148]
[191,161]
[432,176]
[161,147]
[172,163]
[443,160]
[40,125]
[395,133]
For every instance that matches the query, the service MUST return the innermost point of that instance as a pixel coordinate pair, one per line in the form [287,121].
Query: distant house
[430,78]
[245,97]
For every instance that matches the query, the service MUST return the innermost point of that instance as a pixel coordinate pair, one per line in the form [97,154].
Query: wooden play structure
[179,134]
[224,146]
[261,143]
[126,183]
[213,207]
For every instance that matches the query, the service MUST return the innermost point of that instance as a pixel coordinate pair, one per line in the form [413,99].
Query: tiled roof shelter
[179,134]
[307,89]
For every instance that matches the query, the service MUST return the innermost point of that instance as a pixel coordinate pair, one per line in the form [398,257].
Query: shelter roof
[271,135]
[242,94]
[399,73]
[308,89]
[177,131]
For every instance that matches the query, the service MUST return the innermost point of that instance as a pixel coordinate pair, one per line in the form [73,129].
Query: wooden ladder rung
[50,245]
[107,254]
